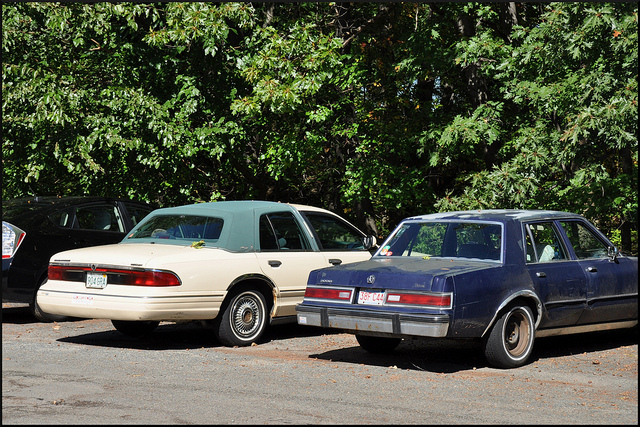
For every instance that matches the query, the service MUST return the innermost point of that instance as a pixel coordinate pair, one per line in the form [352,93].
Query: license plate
[96,280]
[370,297]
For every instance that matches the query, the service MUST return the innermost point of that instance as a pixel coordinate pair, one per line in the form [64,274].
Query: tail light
[115,276]
[438,300]
[12,236]
[331,294]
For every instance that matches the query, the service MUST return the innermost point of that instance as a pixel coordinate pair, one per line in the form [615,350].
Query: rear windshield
[445,239]
[184,227]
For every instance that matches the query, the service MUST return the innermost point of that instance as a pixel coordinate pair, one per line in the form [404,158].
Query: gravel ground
[84,372]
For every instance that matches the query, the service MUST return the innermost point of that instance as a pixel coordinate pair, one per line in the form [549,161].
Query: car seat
[102,221]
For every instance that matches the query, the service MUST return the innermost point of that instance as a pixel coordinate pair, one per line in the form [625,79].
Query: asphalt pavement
[84,372]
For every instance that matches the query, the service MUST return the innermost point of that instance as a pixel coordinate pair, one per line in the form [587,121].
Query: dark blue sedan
[502,276]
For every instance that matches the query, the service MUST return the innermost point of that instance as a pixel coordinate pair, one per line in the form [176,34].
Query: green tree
[377,111]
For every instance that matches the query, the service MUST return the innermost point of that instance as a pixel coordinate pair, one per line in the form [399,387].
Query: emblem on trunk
[371,279]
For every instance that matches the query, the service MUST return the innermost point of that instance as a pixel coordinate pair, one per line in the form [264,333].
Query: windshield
[479,240]
[189,228]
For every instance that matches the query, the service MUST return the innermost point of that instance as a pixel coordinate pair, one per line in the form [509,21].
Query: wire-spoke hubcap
[246,316]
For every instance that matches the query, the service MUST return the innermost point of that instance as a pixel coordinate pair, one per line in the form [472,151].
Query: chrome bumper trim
[383,322]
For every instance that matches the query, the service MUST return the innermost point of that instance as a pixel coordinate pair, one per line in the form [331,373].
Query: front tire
[510,341]
[243,320]
[135,329]
[378,345]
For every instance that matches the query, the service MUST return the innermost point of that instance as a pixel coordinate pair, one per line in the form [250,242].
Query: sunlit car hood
[382,272]
[147,255]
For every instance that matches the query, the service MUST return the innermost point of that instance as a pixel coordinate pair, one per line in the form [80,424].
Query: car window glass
[584,242]
[284,229]
[543,244]
[137,212]
[268,241]
[478,240]
[99,217]
[447,239]
[186,227]
[63,218]
[333,233]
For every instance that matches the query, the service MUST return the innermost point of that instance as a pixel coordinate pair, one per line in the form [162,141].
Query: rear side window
[137,212]
[543,244]
[97,217]
[281,231]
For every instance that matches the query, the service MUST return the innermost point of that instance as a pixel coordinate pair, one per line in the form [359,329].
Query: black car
[35,228]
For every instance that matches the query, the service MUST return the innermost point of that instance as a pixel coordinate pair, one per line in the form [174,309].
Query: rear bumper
[118,307]
[383,322]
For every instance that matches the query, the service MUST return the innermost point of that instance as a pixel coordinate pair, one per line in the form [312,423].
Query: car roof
[497,215]
[23,208]
[62,201]
[235,206]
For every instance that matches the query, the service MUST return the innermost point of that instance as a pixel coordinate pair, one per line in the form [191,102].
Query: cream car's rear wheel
[243,320]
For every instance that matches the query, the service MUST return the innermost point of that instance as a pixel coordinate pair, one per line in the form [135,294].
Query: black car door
[93,224]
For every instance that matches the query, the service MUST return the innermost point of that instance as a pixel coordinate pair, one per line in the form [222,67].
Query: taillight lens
[337,294]
[12,236]
[432,300]
[115,276]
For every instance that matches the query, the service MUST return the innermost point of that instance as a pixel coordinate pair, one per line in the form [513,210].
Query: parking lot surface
[84,372]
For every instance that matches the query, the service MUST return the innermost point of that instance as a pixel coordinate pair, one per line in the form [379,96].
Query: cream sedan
[240,264]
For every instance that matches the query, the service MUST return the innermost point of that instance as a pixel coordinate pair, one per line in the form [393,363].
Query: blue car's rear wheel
[510,341]
[243,320]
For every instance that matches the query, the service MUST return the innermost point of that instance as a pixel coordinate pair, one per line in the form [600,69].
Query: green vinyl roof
[239,230]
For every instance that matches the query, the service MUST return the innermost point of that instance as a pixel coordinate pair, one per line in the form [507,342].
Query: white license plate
[371,298]
[96,280]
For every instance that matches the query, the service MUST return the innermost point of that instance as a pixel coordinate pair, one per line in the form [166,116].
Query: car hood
[399,273]
[146,255]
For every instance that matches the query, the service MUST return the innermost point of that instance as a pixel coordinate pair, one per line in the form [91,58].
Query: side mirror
[370,242]
[613,253]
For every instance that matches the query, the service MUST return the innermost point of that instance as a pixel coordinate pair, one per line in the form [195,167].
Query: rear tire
[243,320]
[378,345]
[135,329]
[510,341]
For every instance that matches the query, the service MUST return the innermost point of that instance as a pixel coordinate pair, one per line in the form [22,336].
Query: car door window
[63,218]
[99,217]
[281,231]
[334,235]
[137,212]
[543,244]
[584,241]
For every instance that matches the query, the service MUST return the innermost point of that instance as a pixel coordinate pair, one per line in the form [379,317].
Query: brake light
[329,293]
[433,300]
[115,276]
[12,237]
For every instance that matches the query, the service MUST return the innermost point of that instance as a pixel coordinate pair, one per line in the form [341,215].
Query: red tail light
[329,293]
[115,276]
[433,300]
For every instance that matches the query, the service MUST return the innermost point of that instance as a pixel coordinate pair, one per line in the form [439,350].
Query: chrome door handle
[541,274]
[592,269]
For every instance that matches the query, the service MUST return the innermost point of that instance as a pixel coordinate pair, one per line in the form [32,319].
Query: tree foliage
[375,110]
